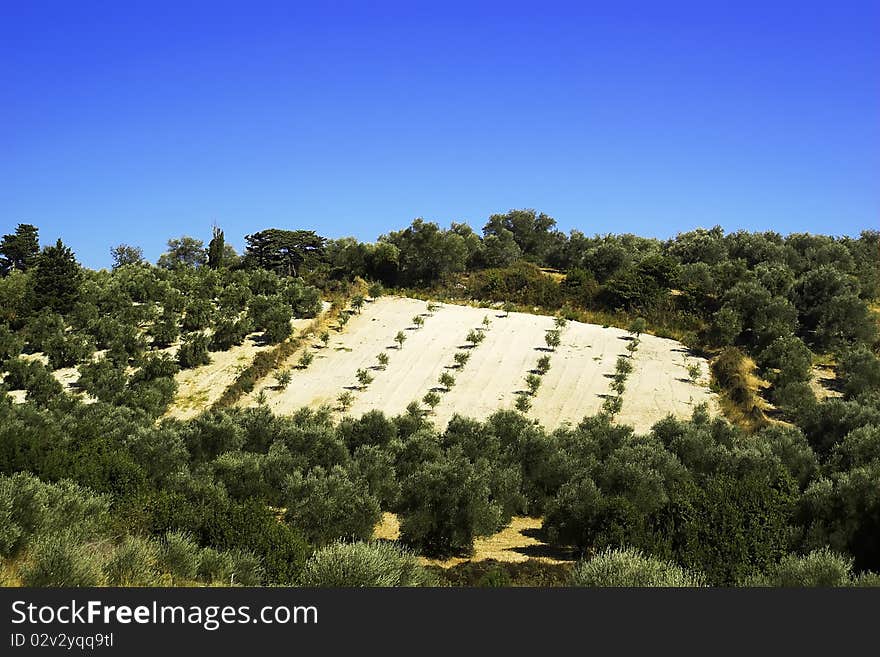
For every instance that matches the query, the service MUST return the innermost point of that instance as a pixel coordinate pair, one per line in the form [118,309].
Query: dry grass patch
[518,542]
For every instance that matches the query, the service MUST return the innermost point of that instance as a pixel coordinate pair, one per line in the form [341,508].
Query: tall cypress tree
[215,248]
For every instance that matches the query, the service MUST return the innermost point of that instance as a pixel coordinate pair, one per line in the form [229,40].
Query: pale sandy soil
[573,388]
[515,543]
[819,377]
[660,384]
[199,387]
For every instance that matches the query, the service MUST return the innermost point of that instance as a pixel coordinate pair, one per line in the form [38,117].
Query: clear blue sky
[136,122]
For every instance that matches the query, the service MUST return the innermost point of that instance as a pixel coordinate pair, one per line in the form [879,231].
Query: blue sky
[136,122]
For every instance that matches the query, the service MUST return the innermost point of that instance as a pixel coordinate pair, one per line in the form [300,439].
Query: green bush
[215,567]
[133,563]
[198,315]
[11,343]
[165,330]
[103,379]
[67,349]
[178,555]
[445,503]
[193,351]
[362,565]
[822,568]
[858,371]
[32,508]
[229,333]
[247,568]
[630,567]
[34,377]
[59,560]
[329,504]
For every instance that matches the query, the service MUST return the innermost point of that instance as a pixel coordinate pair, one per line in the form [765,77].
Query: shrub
[198,315]
[445,503]
[418,321]
[363,564]
[859,371]
[551,337]
[431,399]
[229,333]
[193,351]
[325,338]
[345,400]
[165,330]
[612,405]
[34,377]
[11,343]
[637,326]
[59,560]
[523,403]
[533,382]
[822,567]
[630,567]
[382,359]
[329,504]
[283,378]
[43,327]
[67,349]
[543,364]
[215,567]
[178,555]
[785,360]
[30,507]
[364,378]
[276,324]
[400,338]
[306,359]
[133,563]
[247,568]
[447,380]
[461,358]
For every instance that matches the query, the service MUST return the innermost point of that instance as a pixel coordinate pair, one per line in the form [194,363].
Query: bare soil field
[199,387]
[574,387]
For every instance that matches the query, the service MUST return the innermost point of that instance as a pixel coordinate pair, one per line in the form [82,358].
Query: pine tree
[20,250]
[57,279]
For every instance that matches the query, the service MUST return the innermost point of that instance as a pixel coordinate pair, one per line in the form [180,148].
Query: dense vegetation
[98,486]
